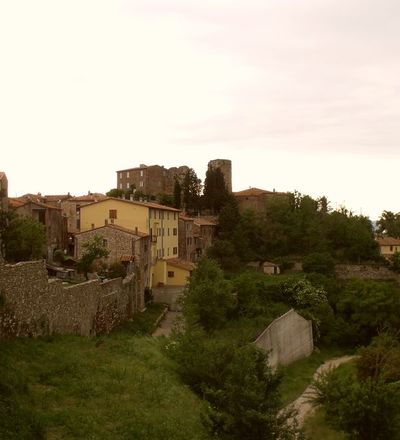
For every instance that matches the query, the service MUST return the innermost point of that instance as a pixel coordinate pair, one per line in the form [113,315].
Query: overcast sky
[299,94]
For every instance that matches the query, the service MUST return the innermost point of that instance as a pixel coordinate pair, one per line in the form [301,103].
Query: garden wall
[33,305]
[366,272]
[287,339]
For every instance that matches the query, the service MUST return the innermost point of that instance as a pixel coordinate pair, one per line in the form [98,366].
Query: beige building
[158,221]
[388,246]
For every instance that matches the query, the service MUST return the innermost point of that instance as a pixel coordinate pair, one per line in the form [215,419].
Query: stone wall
[366,272]
[33,305]
[287,339]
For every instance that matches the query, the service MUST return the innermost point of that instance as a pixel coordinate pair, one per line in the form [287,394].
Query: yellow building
[158,221]
[388,246]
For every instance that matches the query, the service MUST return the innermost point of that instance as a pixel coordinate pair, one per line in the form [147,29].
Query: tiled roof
[134,202]
[388,241]
[252,192]
[15,203]
[88,198]
[117,227]
[21,201]
[204,222]
[182,264]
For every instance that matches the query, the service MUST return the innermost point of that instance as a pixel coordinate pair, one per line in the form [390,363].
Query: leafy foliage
[24,239]
[209,297]
[215,192]
[93,250]
[389,224]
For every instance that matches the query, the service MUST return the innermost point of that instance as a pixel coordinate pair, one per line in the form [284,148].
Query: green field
[119,386]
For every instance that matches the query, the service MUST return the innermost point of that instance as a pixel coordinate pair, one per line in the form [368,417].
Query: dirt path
[166,325]
[301,405]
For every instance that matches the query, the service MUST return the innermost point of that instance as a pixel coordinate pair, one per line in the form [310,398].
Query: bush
[116,270]
[319,263]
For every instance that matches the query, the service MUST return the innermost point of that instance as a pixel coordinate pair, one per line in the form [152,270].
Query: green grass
[143,323]
[119,386]
[297,376]
[316,428]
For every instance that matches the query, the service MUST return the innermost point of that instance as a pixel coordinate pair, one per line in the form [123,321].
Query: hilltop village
[138,221]
[254,289]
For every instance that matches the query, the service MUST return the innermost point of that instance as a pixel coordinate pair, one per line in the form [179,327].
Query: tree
[215,192]
[116,192]
[209,298]
[177,194]
[191,187]
[319,262]
[365,403]
[24,239]
[389,224]
[93,249]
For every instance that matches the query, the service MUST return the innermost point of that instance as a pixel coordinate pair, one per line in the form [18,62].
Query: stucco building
[388,246]
[158,221]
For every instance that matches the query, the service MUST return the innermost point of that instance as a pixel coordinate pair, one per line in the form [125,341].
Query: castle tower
[225,166]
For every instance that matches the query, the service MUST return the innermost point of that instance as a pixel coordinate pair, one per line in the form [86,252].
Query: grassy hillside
[118,386]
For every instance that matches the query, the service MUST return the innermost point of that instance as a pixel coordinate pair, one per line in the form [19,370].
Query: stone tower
[226,167]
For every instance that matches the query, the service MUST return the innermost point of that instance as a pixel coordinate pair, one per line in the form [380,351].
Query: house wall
[287,339]
[33,305]
[180,277]
[389,250]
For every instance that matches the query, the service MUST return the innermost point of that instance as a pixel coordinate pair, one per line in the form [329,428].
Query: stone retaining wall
[366,272]
[33,305]
[287,339]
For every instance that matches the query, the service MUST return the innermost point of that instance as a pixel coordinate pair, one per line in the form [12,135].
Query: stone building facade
[225,166]
[151,180]
[196,235]
[132,248]
[52,218]
[34,305]
[3,191]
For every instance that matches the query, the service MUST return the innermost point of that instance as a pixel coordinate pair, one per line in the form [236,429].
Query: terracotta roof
[135,168]
[134,202]
[185,218]
[119,228]
[388,241]
[15,203]
[182,264]
[88,198]
[56,198]
[204,222]
[252,192]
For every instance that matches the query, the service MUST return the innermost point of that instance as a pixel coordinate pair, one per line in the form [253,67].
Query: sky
[299,94]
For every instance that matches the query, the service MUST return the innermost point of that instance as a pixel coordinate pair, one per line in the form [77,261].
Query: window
[159,253]
[105,242]
[171,274]
[175,250]
[391,248]
[78,224]
[163,232]
[127,174]
[120,186]
[141,173]
[92,225]
[141,183]
[127,185]
[112,213]
[175,231]
[168,232]
[159,232]
[120,175]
